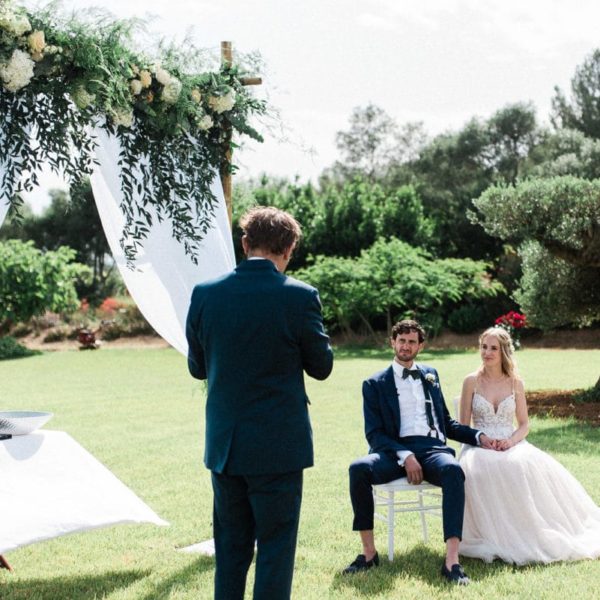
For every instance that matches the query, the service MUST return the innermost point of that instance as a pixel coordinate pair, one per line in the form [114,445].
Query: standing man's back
[252,334]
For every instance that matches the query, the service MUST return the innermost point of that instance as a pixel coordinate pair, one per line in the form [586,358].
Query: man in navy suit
[253,333]
[407,424]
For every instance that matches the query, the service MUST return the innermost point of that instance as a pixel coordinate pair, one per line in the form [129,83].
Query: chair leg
[390,524]
[4,563]
[423,520]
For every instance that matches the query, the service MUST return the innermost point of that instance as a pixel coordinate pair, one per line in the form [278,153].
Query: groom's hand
[486,442]
[414,472]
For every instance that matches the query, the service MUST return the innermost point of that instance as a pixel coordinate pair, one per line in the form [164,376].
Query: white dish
[22,422]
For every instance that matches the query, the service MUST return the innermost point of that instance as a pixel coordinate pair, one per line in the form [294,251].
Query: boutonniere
[431,378]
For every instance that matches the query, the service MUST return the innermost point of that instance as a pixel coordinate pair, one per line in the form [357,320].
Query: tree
[32,281]
[341,220]
[455,168]
[582,110]
[556,223]
[372,144]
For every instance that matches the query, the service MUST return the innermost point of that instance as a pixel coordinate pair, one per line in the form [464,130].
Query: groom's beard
[406,355]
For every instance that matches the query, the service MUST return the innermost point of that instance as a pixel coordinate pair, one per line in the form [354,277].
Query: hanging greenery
[60,77]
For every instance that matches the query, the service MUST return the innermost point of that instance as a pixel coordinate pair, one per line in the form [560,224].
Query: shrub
[10,348]
[32,281]
[467,318]
[56,335]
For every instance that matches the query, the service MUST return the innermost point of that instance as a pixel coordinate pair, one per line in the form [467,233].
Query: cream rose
[221,104]
[204,123]
[196,95]
[171,91]
[37,42]
[135,85]
[163,77]
[145,78]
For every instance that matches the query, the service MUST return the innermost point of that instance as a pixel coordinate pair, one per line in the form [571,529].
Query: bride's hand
[504,444]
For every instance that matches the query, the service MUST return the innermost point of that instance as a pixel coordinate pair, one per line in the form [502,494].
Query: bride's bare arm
[466,399]
[522,429]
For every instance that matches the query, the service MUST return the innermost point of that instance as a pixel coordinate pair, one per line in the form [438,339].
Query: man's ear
[287,253]
[245,244]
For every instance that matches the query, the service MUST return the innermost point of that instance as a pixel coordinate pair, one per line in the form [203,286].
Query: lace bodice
[495,424]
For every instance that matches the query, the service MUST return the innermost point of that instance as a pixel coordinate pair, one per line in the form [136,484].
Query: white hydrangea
[171,91]
[17,72]
[221,104]
[163,77]
[82,97]
[14,23]
[122,116]
[205,122]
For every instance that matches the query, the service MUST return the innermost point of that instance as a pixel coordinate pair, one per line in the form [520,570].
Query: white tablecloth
[50,486]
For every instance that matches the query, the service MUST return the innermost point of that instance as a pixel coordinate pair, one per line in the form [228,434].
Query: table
[51,486]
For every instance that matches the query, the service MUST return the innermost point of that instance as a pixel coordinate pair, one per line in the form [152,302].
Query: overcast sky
[437,61]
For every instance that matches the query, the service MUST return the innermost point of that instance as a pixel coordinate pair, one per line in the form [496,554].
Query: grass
[142,415]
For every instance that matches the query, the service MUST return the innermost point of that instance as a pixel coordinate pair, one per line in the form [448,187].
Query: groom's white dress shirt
[411,401]
[413,418]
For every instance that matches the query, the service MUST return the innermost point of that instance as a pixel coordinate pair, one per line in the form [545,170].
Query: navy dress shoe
[361,564]
[455,575]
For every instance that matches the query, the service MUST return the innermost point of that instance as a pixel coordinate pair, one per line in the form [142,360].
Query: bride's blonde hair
[507,349]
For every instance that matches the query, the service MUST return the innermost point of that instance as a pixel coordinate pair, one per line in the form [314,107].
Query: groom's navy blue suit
[253,333]
[382,430]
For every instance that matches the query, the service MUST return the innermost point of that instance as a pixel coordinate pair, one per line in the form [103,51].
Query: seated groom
[407,424]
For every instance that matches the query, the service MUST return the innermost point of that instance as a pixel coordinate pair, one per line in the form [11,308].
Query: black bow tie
[414,373]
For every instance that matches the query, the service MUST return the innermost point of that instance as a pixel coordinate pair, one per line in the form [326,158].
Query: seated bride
[521,505]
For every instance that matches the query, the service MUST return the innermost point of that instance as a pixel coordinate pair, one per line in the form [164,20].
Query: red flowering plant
[513,322]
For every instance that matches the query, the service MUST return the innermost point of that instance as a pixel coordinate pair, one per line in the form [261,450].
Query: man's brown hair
[406,326]
[270,229]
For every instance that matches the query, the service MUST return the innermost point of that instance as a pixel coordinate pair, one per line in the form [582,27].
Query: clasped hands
[414,471]
[491,444]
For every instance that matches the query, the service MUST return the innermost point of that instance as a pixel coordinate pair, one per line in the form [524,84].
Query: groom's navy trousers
[440,468]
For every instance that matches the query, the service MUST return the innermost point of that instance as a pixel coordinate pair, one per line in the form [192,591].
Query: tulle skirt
[523,506]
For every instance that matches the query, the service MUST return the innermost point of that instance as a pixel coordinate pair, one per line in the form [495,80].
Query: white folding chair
[426,499]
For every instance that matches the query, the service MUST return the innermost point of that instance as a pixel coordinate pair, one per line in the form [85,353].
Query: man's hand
[504,444]
[487,443]
[414,472]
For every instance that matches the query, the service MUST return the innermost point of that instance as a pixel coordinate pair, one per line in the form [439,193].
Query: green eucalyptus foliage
[171,111]
[32,282]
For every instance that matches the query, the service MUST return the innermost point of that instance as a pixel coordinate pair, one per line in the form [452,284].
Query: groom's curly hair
[270,229]
[406,326]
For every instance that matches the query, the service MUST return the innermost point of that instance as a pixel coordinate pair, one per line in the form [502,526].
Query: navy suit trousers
[265,509]
[440,468]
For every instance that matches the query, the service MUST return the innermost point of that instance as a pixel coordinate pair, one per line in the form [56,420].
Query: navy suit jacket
[253,333]
[382,412]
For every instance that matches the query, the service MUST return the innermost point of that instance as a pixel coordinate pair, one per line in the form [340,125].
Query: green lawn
[142,415]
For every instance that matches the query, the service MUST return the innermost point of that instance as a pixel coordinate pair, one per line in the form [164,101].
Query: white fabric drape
[51,486]
[3,199]
[164,276]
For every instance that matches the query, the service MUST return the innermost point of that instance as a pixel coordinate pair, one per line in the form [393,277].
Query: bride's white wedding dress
[521,504]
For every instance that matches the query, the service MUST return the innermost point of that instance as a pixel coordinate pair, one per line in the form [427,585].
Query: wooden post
[227,61]
[225,170]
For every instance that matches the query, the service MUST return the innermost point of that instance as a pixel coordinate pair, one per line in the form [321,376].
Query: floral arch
[152,130]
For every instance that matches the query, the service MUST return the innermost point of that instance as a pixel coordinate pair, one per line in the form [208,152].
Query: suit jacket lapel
[391,394]
[432,392]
